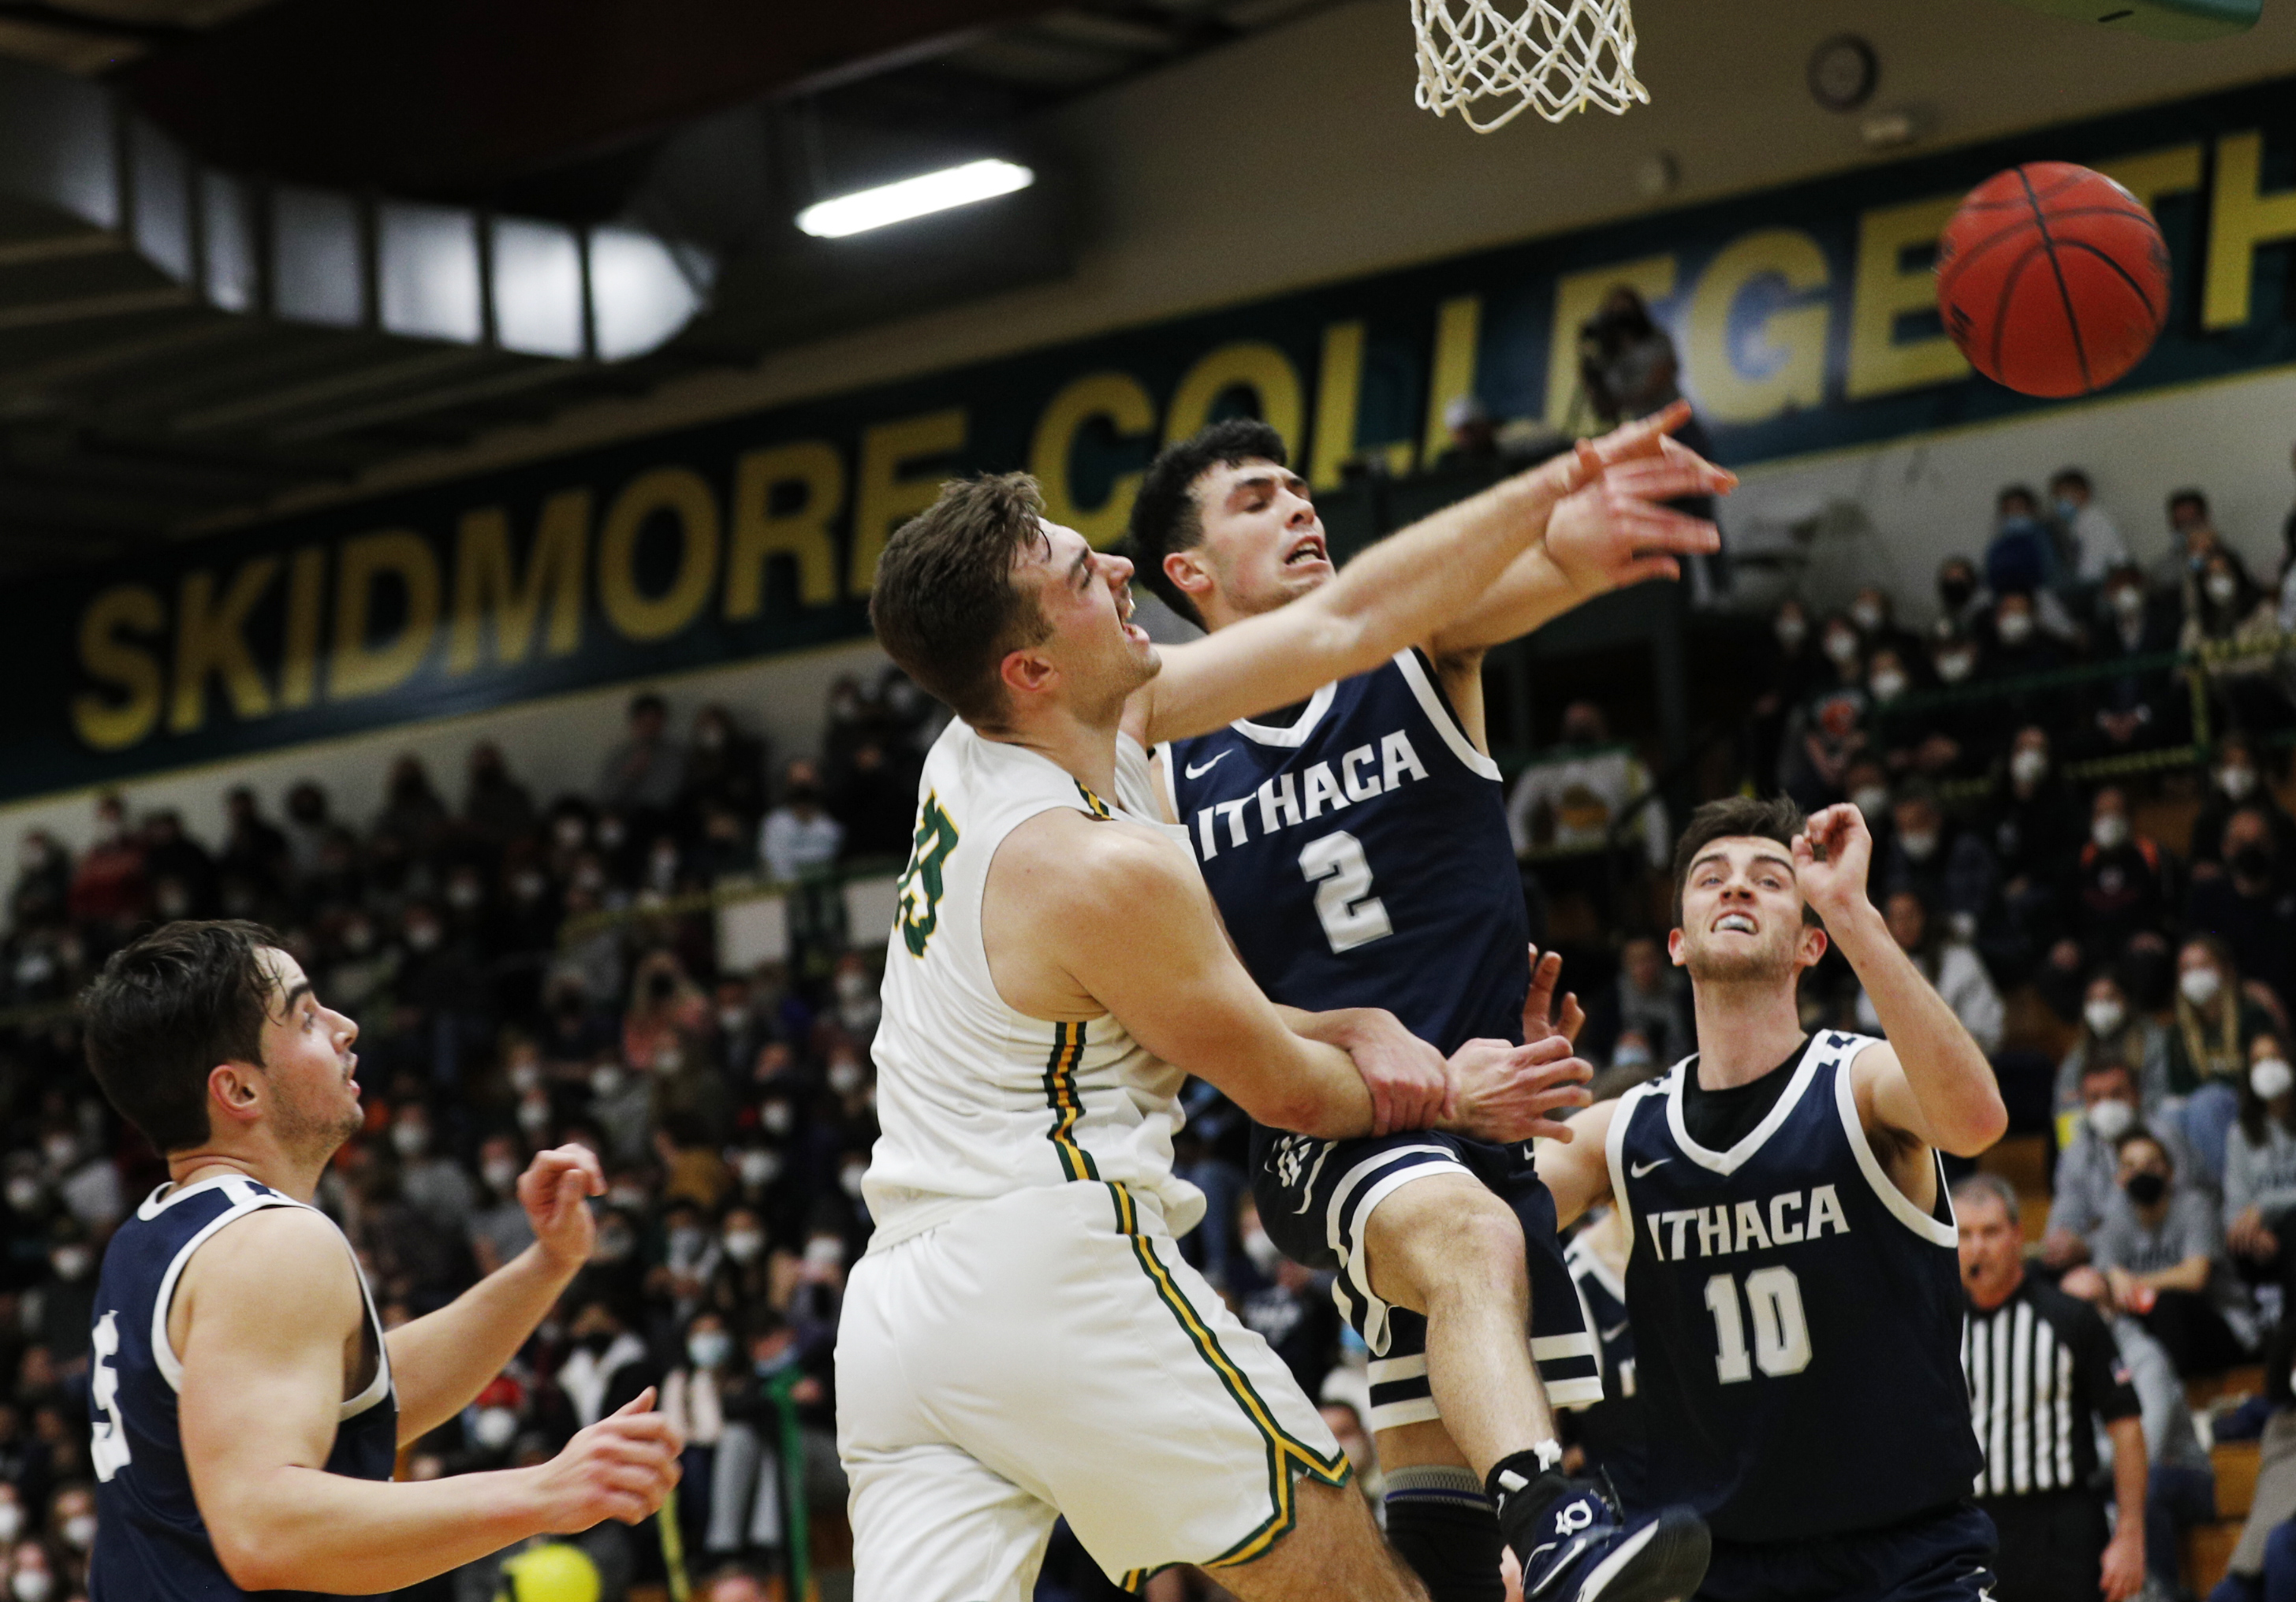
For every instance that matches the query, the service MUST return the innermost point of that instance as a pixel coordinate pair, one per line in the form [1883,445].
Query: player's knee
[1478,1244]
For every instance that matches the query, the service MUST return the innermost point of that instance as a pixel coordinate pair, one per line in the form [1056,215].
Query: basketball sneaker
[1580,1548]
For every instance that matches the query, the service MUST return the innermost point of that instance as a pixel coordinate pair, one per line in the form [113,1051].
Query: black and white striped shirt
[2042,1370]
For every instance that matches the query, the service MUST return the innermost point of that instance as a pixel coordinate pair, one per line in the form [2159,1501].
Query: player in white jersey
[1023,1339]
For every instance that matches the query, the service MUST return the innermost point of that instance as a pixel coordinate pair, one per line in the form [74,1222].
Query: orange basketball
[2054,280]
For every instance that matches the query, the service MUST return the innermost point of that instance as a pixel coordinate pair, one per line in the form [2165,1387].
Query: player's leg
[930,1524]
[1439,1519]
[1334,1549]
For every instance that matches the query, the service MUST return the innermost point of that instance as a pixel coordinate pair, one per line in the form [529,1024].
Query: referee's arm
[2105,1380]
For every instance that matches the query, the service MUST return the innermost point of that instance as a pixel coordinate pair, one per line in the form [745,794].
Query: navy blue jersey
[1798,1318]
[1610,1431]
[1360,857]
[155,1546]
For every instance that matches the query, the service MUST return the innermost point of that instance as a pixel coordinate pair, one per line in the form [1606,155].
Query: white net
[1551,56]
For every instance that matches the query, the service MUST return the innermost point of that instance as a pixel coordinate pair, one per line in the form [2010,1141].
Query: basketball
[2053,279]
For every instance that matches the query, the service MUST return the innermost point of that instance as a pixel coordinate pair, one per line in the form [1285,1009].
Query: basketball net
[1551,56]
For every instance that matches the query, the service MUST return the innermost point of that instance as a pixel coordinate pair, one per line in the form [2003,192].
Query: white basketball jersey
[976,1100]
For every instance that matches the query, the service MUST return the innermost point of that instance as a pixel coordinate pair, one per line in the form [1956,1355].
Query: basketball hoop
[1551,56]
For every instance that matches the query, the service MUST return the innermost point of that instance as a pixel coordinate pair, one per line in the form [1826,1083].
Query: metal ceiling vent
[82,179]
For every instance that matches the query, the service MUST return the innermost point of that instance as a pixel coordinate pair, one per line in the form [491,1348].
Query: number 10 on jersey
[1780,1331]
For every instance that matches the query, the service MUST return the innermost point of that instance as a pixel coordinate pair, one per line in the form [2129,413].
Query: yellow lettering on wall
[1792,336]
[1885,289]
[105,722]
[360,669]
[1338,391]
[1252,365]
[761,534]
[2242,219]
[1578,296]
[1451,373]
[2156,173]
[211,638]
[686,496]
[884,499]
[1119,397]
[298,660]
[487,584]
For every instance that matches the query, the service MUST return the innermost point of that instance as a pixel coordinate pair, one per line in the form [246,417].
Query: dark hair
[2187,497]
[2253,1112]
[645,701]
[2129,1137]
[1165,515]
[1777,818]
[2017,492]
[945,606]
[165,1010]
[2070,475]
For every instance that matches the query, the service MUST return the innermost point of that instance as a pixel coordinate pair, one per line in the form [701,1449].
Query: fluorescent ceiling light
[925,193]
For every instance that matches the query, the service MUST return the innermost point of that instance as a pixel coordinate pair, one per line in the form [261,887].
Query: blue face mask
[2067,511]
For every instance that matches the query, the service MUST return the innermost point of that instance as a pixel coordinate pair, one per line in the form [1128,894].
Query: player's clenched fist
[620,1467]
[1506,1092]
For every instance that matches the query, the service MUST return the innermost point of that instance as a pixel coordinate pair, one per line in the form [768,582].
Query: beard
[1713,962]
[312,1130]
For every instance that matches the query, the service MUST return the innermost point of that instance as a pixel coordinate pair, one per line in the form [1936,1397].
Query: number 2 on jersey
[1780,1331]
[1352,915]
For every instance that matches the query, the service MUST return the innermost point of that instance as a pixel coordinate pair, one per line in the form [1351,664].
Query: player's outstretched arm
[1398,593]
[1931,1081]
[1576,1168]
[266,1309]
[443,1360]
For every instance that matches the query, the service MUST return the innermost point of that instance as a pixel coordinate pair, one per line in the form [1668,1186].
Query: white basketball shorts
[1050,1354]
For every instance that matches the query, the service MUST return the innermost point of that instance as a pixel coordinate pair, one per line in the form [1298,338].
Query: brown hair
[165,1011]
[1776,819]
[945,606]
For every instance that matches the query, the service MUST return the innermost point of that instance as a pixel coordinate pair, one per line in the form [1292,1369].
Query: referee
[2042,1370]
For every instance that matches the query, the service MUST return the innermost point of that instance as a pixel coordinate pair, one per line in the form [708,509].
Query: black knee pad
[1453,1548]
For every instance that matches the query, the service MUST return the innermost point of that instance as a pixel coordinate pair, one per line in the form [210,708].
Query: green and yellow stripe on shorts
[1286,1454]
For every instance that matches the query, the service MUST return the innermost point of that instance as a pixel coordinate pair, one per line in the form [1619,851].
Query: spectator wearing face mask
[2023,554]
[1790,670]
[2111,1032]
[32,1573]
[2088,1163]
[693,1398]
[108,886]
[1875,615]
[1912,737]
[2121,886]
[609,1366]
[431,1180]
[725,770]
[2158,1246]
[2033,825]
[2238,778]
[2235,629]
[1963,599]
[499,1228]
[2097,547]
[67,1303]
[1827,731]
[2251,905]
[1937,859]
[2259,1183]
[2020,648]
[643,773]
[2214,1024]
[2143,706]
[1289,1306]
[1949,965]
[2192,537]
[798,834]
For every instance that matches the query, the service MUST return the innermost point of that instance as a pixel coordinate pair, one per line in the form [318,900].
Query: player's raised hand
[1507,1093]
[1539,1019]
[1615,532]
[1831,857]
[1409,1081]
[556,1191]
[621,1467]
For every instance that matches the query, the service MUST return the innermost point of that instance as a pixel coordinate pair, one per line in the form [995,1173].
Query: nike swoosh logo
[1197,772]
[1640,1169]
[1610,1335]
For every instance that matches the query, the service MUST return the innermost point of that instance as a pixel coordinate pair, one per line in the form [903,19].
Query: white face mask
[760,1167]
[2236,782]
[2110,1120]
[777,1117]
[501,1177]
[2222,588]
[844,1076]
[605,1079]
[410,1139]
[494,1429]
[2128,602]
[825,1251]
[72,1262]
[1919,847]
[79,1532]
[2014,627]
[1792,631]
[1887,686]
[743,1246]
[2030,766]
[534,1112]
[2110,831]
[1871,799]
[1866,615]
[12,1522]
[1264,1252]
[23,1193]
[848,1179]
[2105,1018]
[2199,984]
[31,1585]
[709,1348]
[2271,1077]
[1954,665]
[1841,646]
